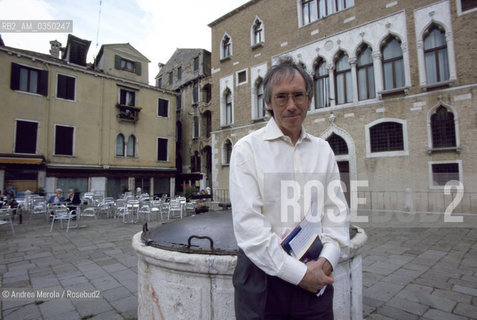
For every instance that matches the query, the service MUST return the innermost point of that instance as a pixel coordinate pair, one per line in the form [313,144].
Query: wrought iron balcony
[128,113]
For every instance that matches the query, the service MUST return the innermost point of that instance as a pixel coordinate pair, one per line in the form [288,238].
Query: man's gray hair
[284,68]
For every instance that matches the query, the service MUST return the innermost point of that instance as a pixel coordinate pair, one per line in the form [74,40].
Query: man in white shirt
[269,283]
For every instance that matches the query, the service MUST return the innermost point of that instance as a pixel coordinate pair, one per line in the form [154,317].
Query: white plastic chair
[61,213]
[145,210]
[39,206]
[6,217]
[190,206]
[175,205]
[156,208]
[107,207]
[131,209]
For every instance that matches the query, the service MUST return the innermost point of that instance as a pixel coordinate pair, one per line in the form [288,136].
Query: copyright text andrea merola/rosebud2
[48,294]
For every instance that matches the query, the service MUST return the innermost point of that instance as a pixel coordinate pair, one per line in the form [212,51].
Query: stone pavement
[414,267]
[420,267]
[98,257]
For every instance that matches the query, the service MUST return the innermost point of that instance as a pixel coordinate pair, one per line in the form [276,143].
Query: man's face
[289,103]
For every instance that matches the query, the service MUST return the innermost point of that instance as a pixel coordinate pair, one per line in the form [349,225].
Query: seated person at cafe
[58,197]
[73,200]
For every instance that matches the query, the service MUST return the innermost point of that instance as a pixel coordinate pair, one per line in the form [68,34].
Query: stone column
[331,75]
[407,68]
[378,72]
[131,184]
[151,187]
[451,56]
[172,187]
[354,78]
[41,178]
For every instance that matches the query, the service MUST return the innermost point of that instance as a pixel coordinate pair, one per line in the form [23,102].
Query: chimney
[55,48]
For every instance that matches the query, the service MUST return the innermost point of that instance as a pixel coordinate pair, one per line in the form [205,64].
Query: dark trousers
[260,296]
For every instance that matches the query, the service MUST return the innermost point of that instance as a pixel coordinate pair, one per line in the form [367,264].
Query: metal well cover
[206,233]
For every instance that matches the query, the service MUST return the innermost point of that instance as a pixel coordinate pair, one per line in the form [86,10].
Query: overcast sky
[154,27]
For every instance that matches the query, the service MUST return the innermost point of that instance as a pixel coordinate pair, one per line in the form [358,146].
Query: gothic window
[120,145]
[365,71]
[435,55]
[195,162]
[343,82]
[322,85]
[195,133]
[338,144]
[131,146]
[227,152]
[257,32]
[228,108]
[226,47]
[393,65]
[443,128]
[260,100]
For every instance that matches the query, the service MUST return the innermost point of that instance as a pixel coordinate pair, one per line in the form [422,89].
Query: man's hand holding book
[317,276]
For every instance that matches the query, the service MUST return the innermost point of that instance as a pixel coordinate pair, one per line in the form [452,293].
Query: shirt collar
[273,132]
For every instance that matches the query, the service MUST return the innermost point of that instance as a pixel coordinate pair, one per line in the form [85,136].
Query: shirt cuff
[292,271]
[331,253]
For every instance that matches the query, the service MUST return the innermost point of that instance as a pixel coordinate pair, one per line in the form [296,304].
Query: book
[304,243]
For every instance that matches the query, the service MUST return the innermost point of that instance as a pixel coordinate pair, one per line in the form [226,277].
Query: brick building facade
[395,91]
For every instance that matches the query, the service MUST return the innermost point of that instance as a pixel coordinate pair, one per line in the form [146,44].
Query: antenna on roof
[99,20]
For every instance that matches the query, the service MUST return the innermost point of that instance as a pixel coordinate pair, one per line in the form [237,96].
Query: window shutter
[137,67]
[15,77]
[43,82]
[117,62]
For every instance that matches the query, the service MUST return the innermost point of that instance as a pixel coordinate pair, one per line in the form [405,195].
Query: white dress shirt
[260,162]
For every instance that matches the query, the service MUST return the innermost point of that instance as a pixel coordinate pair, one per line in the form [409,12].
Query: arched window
[435,55]
[365,71]
[196,128]
[195,162]
[208,123]
[260,99]
[322,85]
[443,128]
[226,47]
[120,145]
[343,82]
[227,151]
[257,32]
[393,64]
[228,107]
[338,144]
[131,146]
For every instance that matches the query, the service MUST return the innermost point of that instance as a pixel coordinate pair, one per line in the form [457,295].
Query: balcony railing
[128,113]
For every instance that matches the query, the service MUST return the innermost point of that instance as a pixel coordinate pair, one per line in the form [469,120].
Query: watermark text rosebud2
[293,194]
